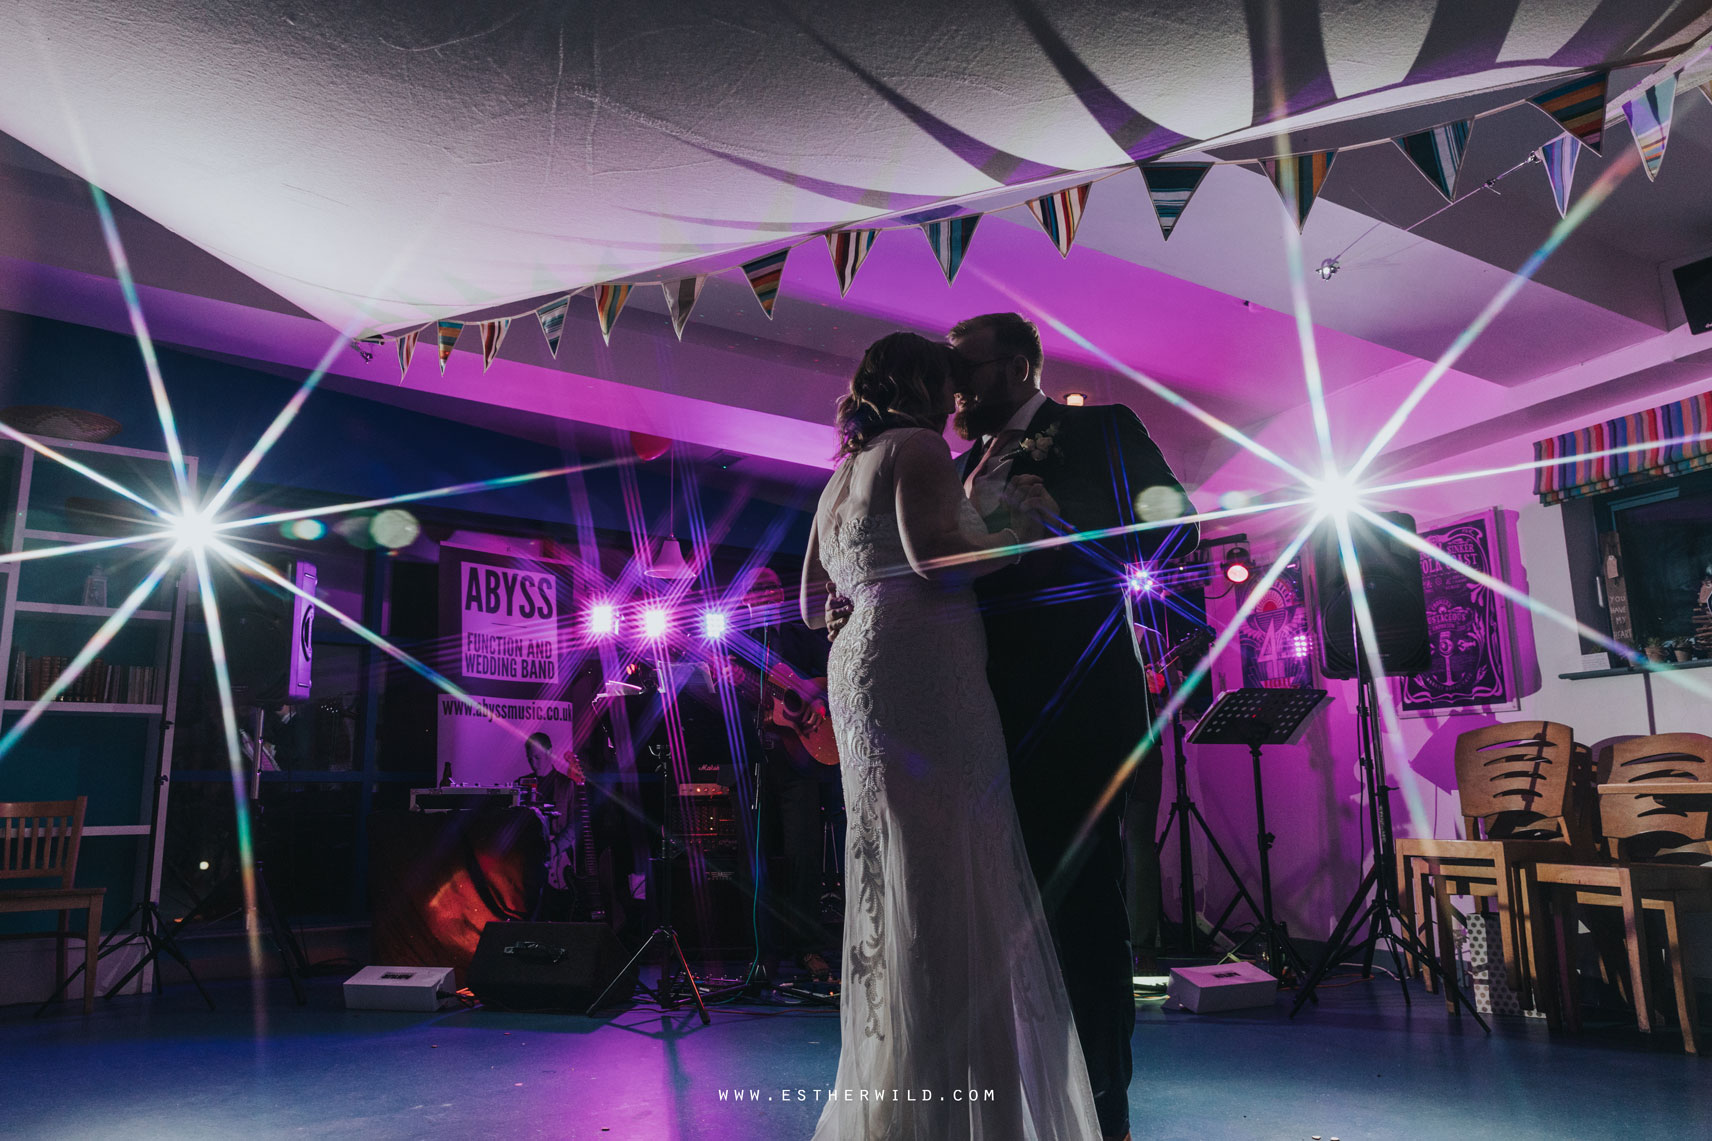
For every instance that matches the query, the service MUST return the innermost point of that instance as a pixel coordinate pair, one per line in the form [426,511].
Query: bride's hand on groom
[838,610]
[1031,505]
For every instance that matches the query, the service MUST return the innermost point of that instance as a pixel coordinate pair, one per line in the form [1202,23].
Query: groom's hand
[838,609]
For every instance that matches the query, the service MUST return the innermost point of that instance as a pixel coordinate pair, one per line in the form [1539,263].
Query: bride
[954,1021]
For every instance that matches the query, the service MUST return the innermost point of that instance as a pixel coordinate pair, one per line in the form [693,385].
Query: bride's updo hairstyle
[893,388]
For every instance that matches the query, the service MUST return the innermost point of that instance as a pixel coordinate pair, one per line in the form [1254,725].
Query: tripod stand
[664,935]
[1382,913]
[154,934]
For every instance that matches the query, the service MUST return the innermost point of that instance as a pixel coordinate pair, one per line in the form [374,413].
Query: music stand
[1255,718]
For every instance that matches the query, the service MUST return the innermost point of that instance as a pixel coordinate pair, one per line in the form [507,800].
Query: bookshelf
[109,737]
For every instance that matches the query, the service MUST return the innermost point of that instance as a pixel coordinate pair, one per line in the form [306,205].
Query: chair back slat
[1514,781]
[1641,827]
[39,839]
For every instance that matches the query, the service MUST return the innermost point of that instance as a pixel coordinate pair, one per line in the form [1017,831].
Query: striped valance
[1658,442]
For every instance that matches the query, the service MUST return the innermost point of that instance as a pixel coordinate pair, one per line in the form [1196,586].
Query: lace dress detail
[951,980]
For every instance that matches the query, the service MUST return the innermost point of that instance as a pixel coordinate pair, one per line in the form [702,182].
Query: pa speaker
[1391,574]
[1694,287]
[270,642]
[545,966]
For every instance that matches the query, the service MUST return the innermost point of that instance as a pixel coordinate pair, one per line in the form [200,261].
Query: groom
[1070,690]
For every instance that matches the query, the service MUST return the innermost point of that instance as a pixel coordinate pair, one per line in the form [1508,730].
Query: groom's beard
[978,418]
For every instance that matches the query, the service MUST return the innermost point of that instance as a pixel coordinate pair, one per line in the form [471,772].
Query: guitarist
[793,789]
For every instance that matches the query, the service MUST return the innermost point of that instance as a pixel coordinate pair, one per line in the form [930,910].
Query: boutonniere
[1040,445]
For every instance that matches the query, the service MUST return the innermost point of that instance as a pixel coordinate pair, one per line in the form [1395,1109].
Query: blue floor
[1360,1066]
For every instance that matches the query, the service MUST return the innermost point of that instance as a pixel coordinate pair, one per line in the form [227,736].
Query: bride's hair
[893,388]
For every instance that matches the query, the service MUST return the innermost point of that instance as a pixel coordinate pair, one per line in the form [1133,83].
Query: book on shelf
[101,682]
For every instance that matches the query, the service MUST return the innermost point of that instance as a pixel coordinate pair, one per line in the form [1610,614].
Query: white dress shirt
[986,490]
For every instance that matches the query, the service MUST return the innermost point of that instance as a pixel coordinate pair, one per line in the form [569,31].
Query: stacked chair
[1550,832]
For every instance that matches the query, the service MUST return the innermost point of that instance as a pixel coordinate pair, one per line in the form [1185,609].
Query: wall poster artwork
[1277,647]
[1469,625]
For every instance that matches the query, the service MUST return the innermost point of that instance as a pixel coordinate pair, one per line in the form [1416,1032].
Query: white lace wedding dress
[952,987]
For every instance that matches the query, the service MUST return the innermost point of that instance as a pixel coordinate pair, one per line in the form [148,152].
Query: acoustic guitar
[792,703]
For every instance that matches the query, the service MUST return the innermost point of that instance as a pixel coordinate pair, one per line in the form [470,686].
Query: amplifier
[463,797]
[546,966]
[707,819]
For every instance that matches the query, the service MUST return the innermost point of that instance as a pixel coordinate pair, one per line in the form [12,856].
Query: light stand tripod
[1255,718]
[664,935]
[1382,913]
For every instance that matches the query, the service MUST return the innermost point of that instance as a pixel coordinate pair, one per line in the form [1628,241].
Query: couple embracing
[985,694]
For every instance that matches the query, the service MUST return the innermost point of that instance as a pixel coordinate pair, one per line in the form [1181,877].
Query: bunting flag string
[608,301]
[1169,188]
[1298,179]
[1649,121]
[552,319]
[406,350]
[1558,157]
[1437,153]
[764,274]
[492,333]
[446,332]
[950,241]
[1059,213]
[849,248]
[681,297]
[1579,108]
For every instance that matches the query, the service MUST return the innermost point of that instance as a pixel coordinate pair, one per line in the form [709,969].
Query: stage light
[653,622]
[194,529]
[203,866]
[394,528]
[1327,268]
[1075,399]
[1302,647]
[1238,566]
[602,619]
[1337,495]
[714,624]
[1140,579]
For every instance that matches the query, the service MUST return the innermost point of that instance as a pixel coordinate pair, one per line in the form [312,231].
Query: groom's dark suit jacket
[1061,662]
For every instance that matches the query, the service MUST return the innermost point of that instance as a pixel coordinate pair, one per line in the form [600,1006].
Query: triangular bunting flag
[608,300]
[1649,121]
[492,333]
[552,318]
[447,334]
[681,297]
[1170,185]
[1579,108]
[1298,179]
[950,241]
[406,350]
[1438,154]
[1558,157]
[764,274]
[848,249]
[1059,213]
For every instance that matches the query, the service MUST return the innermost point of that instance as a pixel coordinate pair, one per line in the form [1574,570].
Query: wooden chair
[1520,788]
[1665,852]
[1658,829]
[39,841]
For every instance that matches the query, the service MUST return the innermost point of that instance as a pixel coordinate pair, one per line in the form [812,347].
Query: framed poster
[1277,645]
[1473,665]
